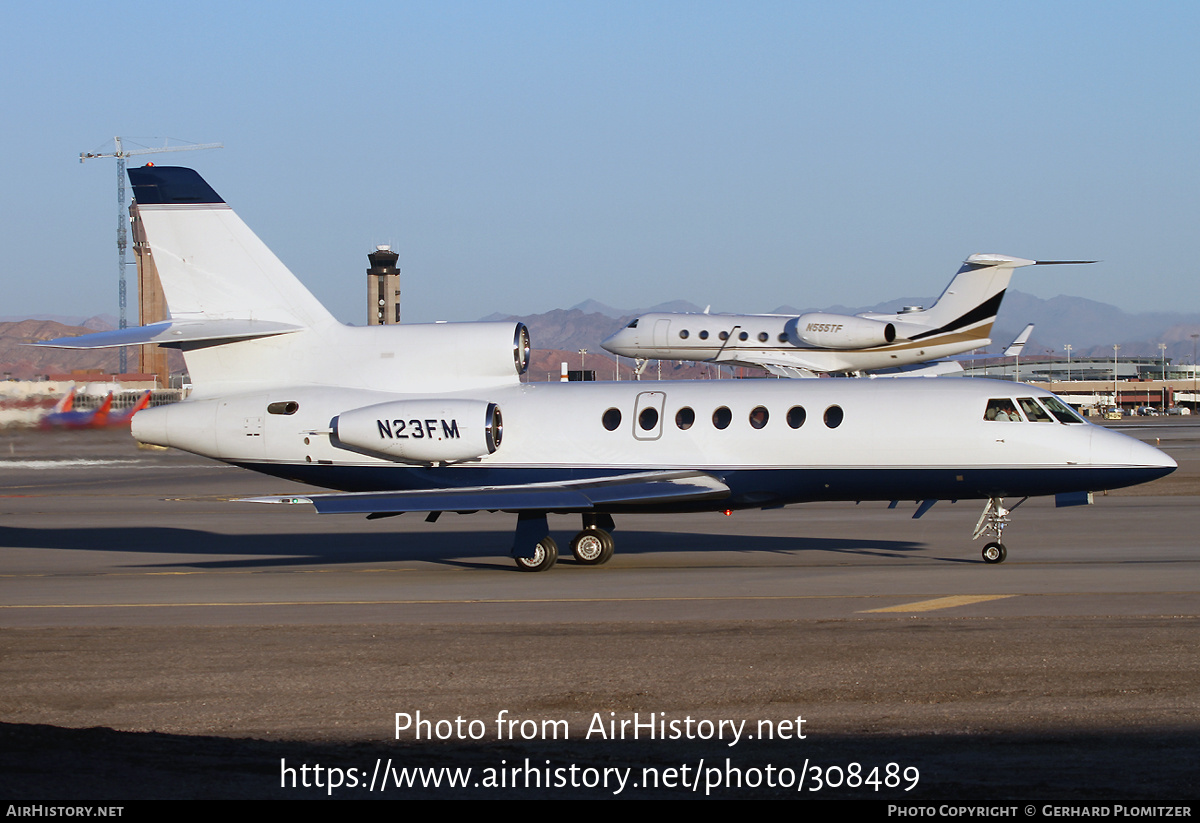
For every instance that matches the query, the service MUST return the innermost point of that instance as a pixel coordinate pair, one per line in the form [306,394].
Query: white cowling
[838,331]
[422,431]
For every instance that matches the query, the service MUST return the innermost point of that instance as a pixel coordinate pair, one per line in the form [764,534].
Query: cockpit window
[1061,410]
[633,325]
[1001,409]
[1033,411]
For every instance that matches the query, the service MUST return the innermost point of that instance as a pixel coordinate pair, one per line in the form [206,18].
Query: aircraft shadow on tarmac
[447,547]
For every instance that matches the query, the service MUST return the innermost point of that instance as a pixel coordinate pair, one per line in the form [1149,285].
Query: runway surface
[210,640]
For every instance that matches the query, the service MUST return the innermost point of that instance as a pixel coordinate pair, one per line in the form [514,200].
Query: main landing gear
[992,522]
[545,555]
[593,546]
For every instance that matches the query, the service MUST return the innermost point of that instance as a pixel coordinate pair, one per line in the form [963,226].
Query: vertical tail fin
[974,295]
[211,265]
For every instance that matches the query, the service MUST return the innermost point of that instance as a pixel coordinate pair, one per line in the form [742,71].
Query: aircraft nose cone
[621,342]
[1139,462]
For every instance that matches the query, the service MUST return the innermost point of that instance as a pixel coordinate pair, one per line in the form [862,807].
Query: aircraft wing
[929,368]
[648,488]
[787,371]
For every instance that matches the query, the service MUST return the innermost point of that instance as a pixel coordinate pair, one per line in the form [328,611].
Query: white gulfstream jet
[820,342]
[434,418]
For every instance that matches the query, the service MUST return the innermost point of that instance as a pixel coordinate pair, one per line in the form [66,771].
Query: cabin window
[704,334]
[796,416]
[724,335]
[722,417]
[1033,411]
[683,335]
[744,336]
[783,337]
[684,418]
[611,419]
[283,407]
[1001,409]
[763,336]
[833,416]
[648,419]
[759,416]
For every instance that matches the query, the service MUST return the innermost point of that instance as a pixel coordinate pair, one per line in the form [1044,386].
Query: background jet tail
[1018,344]
[970,303]
[968,306]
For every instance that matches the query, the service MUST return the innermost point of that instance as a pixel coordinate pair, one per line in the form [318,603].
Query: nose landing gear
[992,522]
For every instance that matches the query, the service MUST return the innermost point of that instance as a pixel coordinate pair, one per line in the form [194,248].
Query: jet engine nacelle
[423,431]
[838,331]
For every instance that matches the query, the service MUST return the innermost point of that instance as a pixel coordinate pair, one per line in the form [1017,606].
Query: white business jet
[820,342]
[434,418]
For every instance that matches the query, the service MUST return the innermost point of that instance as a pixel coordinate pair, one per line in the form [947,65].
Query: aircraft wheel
[994,553]
[592,547]
[544,556]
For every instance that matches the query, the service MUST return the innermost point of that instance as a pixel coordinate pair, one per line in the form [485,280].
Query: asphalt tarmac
[159,640]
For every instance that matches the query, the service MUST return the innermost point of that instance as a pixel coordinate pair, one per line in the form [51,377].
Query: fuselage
[759,339]
[773,442]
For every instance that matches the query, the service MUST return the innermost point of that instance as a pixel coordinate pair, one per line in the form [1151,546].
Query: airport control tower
[383,287]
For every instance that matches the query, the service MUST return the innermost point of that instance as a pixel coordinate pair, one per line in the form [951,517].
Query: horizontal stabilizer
[173,332]
[1018,262]
[581,495]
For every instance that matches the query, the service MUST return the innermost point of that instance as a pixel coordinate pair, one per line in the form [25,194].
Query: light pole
[1194,336]
[582,352]
[1162,350]
[1067,346]
[1116,390]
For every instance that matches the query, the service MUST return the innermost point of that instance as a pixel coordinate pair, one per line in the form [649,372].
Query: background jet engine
[423,431]
[838,331]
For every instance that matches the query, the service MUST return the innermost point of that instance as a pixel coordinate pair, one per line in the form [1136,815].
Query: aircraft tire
[544,556]
[592,547]
[994,553]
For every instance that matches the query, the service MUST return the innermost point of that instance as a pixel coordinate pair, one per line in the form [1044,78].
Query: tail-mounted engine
[838,331]
[422,431]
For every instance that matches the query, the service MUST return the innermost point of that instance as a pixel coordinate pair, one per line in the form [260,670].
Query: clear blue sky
[523,156]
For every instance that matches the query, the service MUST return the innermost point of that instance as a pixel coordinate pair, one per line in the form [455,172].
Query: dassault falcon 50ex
[435,418]
[821,342]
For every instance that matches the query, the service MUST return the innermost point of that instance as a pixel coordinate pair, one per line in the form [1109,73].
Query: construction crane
[123,217]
